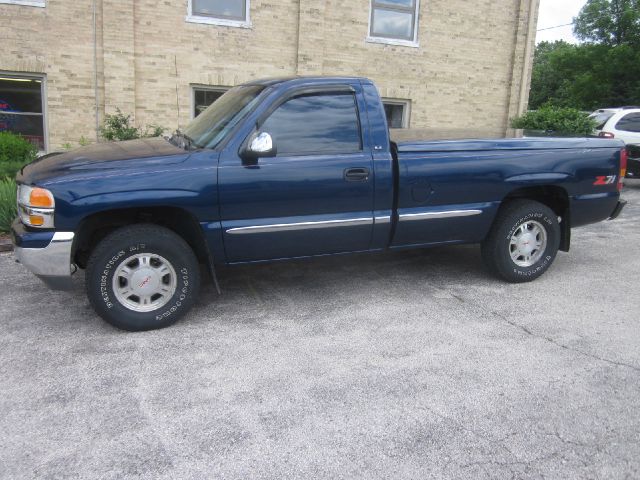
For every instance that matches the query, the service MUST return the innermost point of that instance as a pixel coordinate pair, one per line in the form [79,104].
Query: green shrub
[7,204]
[557,120]
[15,152]
[634,151]
[153,130]
[118,127]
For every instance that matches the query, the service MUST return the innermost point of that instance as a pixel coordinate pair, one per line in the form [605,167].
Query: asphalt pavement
[408,365]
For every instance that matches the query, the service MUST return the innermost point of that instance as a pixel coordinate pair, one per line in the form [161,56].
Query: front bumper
[50,262]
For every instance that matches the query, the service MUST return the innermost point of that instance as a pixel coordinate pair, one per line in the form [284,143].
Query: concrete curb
[6,245]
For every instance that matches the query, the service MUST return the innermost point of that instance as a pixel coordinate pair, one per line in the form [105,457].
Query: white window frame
[225,22]
[210,88]
[406,111]
[394,41]
[26,3]
[43,93]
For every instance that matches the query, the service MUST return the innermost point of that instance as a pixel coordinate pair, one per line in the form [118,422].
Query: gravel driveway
[393,366]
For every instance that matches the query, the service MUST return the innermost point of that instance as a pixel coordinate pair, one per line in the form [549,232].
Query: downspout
[528,58]
[95,70]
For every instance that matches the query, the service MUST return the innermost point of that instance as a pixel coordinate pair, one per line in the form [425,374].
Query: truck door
[316,195]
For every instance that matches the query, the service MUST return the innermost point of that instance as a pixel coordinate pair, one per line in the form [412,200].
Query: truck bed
[434,140]
[451,183]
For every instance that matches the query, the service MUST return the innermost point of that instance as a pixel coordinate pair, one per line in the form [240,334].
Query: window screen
[203,97]
[396,114]
[227,9]
[394,19]
[316,124]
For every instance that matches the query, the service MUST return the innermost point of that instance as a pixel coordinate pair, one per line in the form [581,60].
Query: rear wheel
[523,241]
[142,277]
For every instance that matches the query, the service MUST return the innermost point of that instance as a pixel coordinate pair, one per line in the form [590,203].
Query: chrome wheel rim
[528,243]
[144,282]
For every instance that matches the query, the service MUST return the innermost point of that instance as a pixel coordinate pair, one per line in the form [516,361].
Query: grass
[7,204]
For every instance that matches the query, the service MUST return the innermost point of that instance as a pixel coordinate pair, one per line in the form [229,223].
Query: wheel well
[557,199]
[97,226]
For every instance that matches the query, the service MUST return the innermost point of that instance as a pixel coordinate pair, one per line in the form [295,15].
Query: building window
[22,107]
[28,3]
[232,13]
[394,22]
[397,112]
[205,96]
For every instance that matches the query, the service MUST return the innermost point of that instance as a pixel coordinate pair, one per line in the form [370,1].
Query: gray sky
[557,12]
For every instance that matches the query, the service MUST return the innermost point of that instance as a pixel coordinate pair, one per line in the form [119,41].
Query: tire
[509,251]
[142,277]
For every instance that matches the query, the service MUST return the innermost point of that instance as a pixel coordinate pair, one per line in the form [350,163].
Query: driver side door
[315,196]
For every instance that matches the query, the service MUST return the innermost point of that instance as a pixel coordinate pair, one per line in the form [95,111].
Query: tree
[609,22]
[602,72]
[551,76]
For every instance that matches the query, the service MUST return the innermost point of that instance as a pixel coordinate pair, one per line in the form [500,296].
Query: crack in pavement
[546,338]
[562,345]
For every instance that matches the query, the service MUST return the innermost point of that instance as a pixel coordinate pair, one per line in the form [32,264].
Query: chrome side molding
[384,219]
[288,227]
[408,217]
[350,222]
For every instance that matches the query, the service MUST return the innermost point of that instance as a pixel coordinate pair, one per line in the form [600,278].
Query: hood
[103,156]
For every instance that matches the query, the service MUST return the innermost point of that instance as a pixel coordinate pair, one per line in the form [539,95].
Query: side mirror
[260,145]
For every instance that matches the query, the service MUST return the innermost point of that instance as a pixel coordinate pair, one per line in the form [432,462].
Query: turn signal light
[40,198]
[36,206]
[606,135]
[36,220]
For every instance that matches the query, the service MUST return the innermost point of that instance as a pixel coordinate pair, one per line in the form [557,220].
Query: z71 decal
[608,180]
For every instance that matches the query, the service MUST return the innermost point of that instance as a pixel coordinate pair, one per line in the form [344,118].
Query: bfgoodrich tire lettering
[116,278]
[523,241]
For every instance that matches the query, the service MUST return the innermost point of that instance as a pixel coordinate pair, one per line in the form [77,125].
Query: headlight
[36,206]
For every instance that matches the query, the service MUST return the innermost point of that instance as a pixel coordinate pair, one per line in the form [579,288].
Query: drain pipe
[95,70]
[528,57]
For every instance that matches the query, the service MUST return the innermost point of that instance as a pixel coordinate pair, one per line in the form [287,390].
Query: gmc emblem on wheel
[608,180]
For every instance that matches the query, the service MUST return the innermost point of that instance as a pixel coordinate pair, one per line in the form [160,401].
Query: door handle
[356,174]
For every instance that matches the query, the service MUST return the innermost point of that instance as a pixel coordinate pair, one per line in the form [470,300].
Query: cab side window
[316,124]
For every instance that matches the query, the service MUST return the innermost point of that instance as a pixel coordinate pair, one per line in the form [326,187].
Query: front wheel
[142,277]
[523,241]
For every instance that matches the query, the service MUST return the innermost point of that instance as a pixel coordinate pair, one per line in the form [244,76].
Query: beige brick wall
[467,72]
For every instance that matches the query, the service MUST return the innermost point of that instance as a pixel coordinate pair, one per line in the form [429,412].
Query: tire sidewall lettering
[183,293]
[544,262]
[106,278]
[531,216]
[107,271]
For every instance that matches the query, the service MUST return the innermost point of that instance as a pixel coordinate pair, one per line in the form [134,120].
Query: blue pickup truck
[297,167]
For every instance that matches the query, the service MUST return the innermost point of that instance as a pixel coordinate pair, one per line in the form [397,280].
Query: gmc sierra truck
[297,167]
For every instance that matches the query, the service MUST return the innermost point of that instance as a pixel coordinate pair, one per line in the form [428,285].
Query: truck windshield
[209,128]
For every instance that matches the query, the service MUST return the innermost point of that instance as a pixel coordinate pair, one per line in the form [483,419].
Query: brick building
[438,63]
